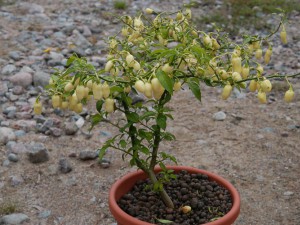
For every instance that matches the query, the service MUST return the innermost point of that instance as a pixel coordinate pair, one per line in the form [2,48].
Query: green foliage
[8,207]
[120,4]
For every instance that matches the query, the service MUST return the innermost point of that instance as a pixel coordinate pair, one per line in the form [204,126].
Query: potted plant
[155,56]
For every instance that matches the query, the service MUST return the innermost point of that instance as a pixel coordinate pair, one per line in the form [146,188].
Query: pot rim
[229,217]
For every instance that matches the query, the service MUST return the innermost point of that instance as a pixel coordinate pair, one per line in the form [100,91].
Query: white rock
[288,193]
[80,122]
[6,135]
[14,219]
[219,116]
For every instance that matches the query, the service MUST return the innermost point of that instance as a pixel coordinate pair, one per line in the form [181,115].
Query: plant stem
[132,133]
[163,194]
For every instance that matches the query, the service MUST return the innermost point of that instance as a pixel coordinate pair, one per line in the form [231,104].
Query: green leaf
[145,150]
[197,50]
[162,166]
[167,98]
[102,152]
[164,221]
[132,162]
[70,60]
[116,89]
[95,119]
[145,135]
[147,114]
[68,71]
[99,105]
[133,117]
[165,80]
[157,186]
[123,143]
[168,136]
[170,116]
[162,121]
[194,86]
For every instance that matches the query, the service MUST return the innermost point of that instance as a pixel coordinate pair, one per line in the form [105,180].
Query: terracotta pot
[123,186]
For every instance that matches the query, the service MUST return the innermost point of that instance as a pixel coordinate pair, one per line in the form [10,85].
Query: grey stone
[16,180]
[27,69]
[46,125]
[37,153]
[20,133]
[23,115]
[15,55]
[32,8]
[22,78]
[13,157]
[105,163]
[14,219]
[26,125]
[105,133]
[12,97]
[8,69]
[52,169]
[239,94]
[268,129]
[9,109]
[10,144]
[6,163]
[6,135]
[288,193]
[16,148]
[3,88]
[56,132]
[56,56]
[72,181]
[65,166]
[88,155]
[86,31]
[41,78]
[219,116]
[40,119]
[6,123]
[18,90]
[80,40]
[70,128]
[44,214]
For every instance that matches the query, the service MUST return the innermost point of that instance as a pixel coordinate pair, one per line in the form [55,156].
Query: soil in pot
[208,200]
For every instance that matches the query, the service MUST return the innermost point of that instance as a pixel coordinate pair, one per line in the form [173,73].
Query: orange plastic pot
[123,186]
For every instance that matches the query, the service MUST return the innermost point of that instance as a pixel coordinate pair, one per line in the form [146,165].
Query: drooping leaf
[165,80]
[162,166]
[99,105]
[194,86]
[102,153]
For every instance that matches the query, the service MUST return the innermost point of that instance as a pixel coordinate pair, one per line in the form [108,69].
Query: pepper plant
[155,55]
